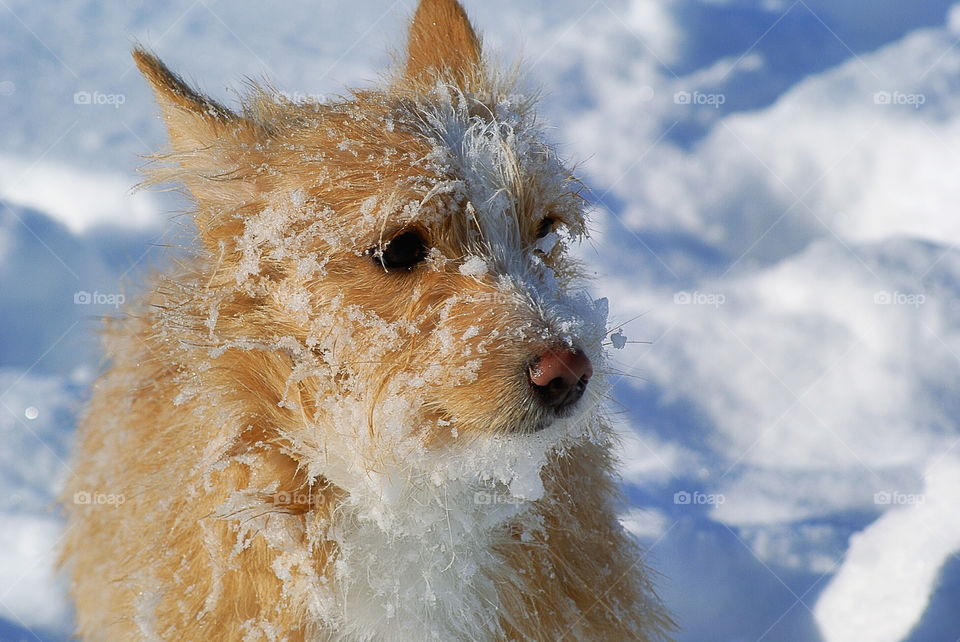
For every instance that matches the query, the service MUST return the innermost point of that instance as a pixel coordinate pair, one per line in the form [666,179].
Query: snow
[775,189]
[78,198]
[882,589]
[473,266]
[37,413]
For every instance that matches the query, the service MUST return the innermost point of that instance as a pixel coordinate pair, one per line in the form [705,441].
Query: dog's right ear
[213,148]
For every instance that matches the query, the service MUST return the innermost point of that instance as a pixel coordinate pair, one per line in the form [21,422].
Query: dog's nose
[560,376]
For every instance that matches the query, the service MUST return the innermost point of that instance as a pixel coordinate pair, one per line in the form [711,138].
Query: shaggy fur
[313,447]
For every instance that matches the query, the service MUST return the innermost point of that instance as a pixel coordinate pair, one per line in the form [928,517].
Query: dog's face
[407,248]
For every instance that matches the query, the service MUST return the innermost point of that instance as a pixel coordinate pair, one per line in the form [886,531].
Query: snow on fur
[316,447]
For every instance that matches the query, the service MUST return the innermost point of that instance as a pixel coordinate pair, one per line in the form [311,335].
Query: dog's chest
[423,565]
[417,536]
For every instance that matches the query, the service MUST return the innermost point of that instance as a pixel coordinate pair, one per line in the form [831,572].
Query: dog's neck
[416,534]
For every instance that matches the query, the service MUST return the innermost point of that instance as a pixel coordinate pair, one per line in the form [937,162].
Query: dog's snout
[560,376]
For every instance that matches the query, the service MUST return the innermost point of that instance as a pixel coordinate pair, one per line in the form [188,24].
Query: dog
[368,406]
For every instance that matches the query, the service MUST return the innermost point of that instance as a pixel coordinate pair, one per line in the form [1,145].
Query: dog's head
[405,248]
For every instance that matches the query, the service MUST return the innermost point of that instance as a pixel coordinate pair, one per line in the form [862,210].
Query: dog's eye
[546,226]
[403,252]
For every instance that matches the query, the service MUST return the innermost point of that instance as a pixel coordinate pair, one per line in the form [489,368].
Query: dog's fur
[312,447]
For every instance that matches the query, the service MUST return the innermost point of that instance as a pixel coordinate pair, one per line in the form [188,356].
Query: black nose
[559,377]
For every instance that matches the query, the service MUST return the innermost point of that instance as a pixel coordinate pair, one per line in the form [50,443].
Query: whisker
[612,330]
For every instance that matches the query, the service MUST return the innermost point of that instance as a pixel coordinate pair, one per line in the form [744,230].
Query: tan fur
[456,53]
[208,429]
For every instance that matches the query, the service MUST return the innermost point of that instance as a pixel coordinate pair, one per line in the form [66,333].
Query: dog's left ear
[213,148]
[442,46]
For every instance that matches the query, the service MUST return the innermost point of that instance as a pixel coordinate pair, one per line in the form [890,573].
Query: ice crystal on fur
[328,425]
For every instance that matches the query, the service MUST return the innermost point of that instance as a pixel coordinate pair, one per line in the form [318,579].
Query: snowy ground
[776,198]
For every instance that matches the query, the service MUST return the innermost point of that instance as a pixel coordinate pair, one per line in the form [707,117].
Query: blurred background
[776,213]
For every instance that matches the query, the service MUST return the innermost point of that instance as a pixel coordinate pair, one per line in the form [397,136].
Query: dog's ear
[212,147]
[443,46]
